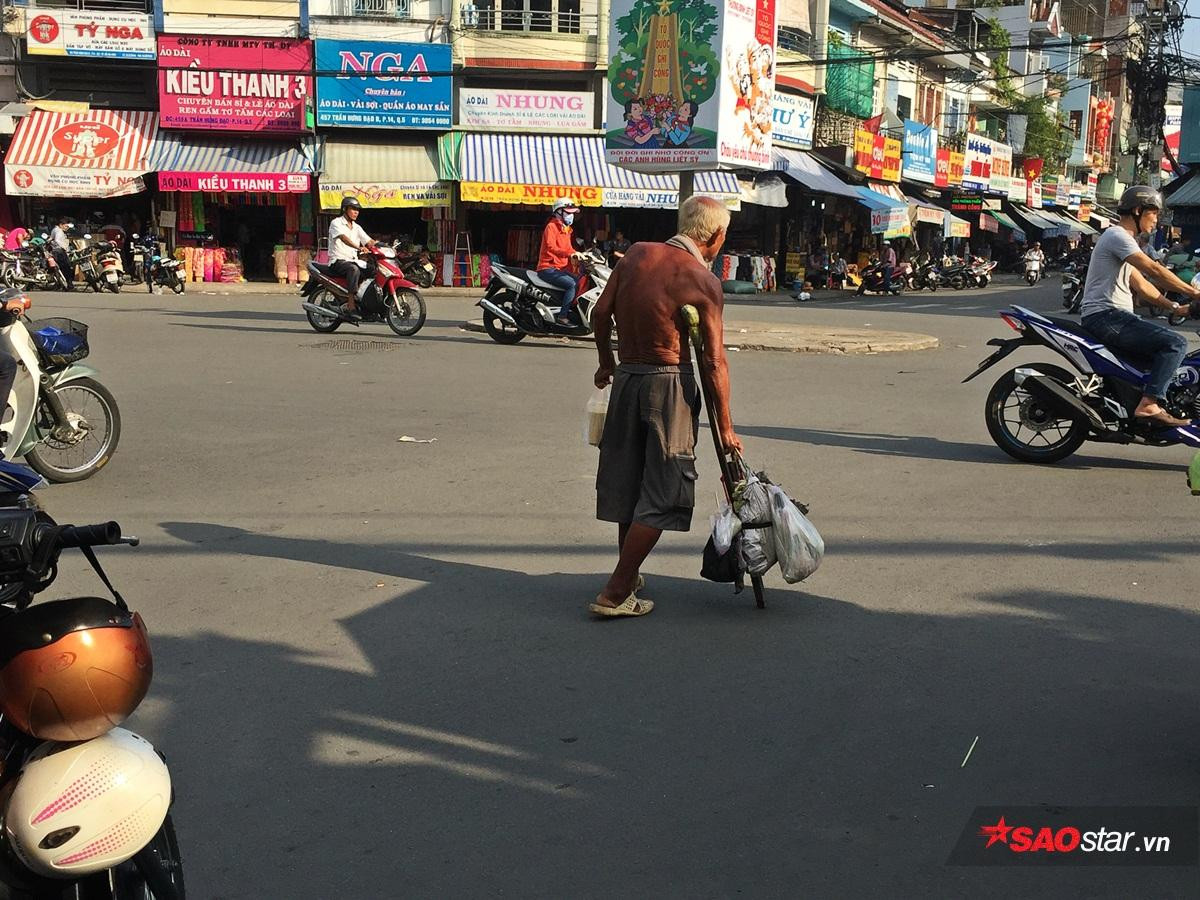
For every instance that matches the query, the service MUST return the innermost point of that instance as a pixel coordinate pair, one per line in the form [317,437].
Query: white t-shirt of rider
[339,249]
[1105,289]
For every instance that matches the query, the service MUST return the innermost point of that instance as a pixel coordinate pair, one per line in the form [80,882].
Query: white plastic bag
[797,543]
[753,505]
[725,526]
[594,414]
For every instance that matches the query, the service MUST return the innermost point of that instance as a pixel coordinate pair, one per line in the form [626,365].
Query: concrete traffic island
[794,338]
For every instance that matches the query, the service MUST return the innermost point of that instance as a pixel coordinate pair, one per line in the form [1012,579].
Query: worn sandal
[631,607]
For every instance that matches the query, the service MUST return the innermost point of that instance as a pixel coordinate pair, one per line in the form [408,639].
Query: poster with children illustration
[690,84]
[663,81]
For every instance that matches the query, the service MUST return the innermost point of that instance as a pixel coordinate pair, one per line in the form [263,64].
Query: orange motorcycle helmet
[73,669]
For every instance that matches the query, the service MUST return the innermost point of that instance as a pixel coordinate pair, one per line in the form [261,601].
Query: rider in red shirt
[554,258]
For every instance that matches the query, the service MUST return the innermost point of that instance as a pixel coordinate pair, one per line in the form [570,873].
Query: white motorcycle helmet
[80,808]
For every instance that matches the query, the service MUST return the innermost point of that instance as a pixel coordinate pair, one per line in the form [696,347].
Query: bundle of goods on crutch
[759,525]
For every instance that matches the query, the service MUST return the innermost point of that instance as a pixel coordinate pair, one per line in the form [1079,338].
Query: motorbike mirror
[136,236]
[87,237]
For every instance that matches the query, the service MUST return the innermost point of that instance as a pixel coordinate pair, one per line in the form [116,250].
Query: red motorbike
[384,295]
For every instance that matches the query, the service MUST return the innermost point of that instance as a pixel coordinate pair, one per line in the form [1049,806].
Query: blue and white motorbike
[1042,413]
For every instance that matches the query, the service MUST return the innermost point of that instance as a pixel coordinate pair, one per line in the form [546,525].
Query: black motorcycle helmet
[350,203]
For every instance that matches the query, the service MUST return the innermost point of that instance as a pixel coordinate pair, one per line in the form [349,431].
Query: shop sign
[690,84]
[391,195]
[384,85]
[877,156]
[1001,169]
[98,35]
[1172,126]
[966,203]
[921,151]
[1074,197]
[234,84]
[56,181]
[941,172]
[232,182]
[977,163]
[639,198]
[932,216]
[987,223]
[959,229]
[529,194]
[535,110]
[1085,211]
[889,219]
[1092,180]
[792,125]
[958,162]
[1035,194]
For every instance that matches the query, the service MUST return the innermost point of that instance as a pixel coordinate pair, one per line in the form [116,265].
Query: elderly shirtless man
[647,477]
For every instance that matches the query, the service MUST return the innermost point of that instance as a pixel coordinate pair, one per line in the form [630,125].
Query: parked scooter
[64,422]
[112,267]
[518,302]
[40,250]
[1073,277]
[979,272]
[24,268]
[384,295]
[86,803]
[872,280]
[99,264]
[417,267]
[158,271]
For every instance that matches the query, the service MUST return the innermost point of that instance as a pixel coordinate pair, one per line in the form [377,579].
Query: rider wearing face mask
[554,258]
[1107,310]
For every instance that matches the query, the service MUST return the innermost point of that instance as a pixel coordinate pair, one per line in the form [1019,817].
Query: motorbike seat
[1074,328]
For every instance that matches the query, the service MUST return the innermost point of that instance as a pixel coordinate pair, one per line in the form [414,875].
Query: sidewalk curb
[788,339]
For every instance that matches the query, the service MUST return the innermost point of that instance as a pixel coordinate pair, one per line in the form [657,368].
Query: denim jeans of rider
[565,281]
[1162,348]
[887,277]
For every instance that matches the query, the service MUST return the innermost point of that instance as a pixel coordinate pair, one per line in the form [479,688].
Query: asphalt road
[375,675]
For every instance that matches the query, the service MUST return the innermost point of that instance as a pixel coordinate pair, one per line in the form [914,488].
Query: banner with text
[384,85]
[234,84]
[99,35]
[920,152]
[977,163]
[535,110]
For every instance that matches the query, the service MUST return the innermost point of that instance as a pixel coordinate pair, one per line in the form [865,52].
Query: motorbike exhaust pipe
[1058,399]
[321,311]
[498,313]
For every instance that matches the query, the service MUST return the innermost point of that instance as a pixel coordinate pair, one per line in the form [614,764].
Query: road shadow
[977,304]
[924,447]
[487,739]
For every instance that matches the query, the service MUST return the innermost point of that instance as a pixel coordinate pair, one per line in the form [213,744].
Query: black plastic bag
[724,568]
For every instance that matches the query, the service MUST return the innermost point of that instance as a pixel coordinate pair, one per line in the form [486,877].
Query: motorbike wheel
[422,279]
[61,461]
[958,282]
[9,277]
[96,286]
[1176,320]
[985,280]
[323,324]
[932,285]
[114,286]
[177,286]
[1017,423]
[406,313]
[1031,280]
[501,332]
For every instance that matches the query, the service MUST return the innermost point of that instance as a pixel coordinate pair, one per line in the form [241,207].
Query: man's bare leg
[1150,408]
[636,541]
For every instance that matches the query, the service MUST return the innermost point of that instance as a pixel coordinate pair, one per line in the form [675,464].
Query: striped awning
[927,212]
[1018,231]
[100,153]
[1042,223]
[537,169]
[233,164]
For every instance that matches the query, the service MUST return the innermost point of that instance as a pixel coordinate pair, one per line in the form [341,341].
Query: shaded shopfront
[89,166]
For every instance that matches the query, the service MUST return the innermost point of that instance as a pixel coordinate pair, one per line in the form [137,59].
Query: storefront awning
[1040,222]
[537,169]
[186,163]
[1068,222]
[1018,231]
[926,212]
[888,217]
[803,168]
[1187,194]
[100,153]
[381,173]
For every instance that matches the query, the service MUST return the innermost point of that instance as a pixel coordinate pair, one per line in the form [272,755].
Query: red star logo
[997,833]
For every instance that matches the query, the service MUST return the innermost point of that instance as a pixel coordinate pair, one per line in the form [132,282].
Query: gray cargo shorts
[647,468]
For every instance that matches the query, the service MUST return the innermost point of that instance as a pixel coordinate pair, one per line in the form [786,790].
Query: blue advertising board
[920,151]
[383,85]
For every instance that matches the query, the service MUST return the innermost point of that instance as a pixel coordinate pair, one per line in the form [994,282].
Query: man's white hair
[702,217]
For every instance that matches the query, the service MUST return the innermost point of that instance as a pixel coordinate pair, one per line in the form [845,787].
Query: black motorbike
[159,271]
[519,303]
[1073,277]
[873,280]
[416,266]
[926,276]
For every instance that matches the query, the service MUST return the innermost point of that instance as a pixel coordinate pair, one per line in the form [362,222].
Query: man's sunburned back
[654,282]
